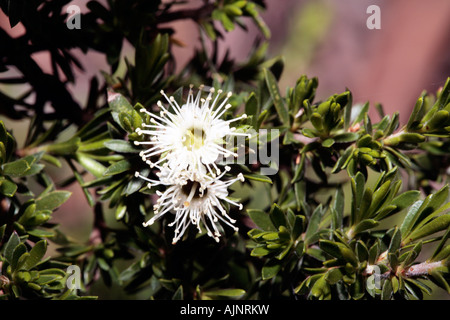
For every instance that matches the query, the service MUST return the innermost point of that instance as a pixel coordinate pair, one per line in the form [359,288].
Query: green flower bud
[324,108]
[316,120]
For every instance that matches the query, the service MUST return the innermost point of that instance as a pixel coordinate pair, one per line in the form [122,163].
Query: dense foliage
[354,210]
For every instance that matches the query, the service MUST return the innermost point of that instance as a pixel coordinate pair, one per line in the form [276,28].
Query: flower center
[194,138]
[192,191]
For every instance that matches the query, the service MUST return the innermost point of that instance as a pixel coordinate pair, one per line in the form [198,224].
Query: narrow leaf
[52,200]
[261,219]
[36,254]
[278,102]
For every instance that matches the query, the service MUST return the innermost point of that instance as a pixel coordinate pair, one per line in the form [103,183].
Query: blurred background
[327,39]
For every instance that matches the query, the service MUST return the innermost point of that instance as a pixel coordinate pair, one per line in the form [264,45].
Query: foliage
[353,202]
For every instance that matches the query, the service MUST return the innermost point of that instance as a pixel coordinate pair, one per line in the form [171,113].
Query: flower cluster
[186,143]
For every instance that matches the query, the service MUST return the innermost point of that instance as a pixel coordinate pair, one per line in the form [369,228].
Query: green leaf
[299,172]
[374,252]
[416,113]
[410,217]
[7,188]
[439,119]
[135,184]
[209,29]
[64,148]
[440,250]
[259,252]
[41,233]
[16,168]
[405,200]
[361,251]
[419,285]
[12,243]
[121,146]
[392,125]
[226,22]
[433,209]
[412,255]
[379,197]
[386,291]
[261,219]
[35,169]
[357,185]
[125,121]
[88,195]
[365,204]
[257,177]
[36,254]
[444,95]
[261,118]
[123,112]
[328,143]
[396,241]
[120,211]
[321,289]
[278,102]
[2,231]
[118,167]
[438,224]
[271,269]
[419,215]
[364,225]
[52,200]
[178,295]
[338,209]
[316,120]
[118,103]
[338,250]
[367,124]
[277,216]
[348,110]
[343,160]
[91,165]
[346,137]
[229,293]
[17,253]
[362,111]
[284,252]
[313,225]
[94,146]
[251,108]
[27,213]
[440,280]
[333,276]
[47,279]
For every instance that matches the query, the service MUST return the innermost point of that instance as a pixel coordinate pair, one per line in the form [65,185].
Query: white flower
[192,136]
[194,199]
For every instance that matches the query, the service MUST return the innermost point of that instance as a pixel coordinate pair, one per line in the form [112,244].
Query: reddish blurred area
[391,66]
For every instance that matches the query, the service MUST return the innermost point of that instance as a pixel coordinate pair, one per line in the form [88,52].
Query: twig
[421,269]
